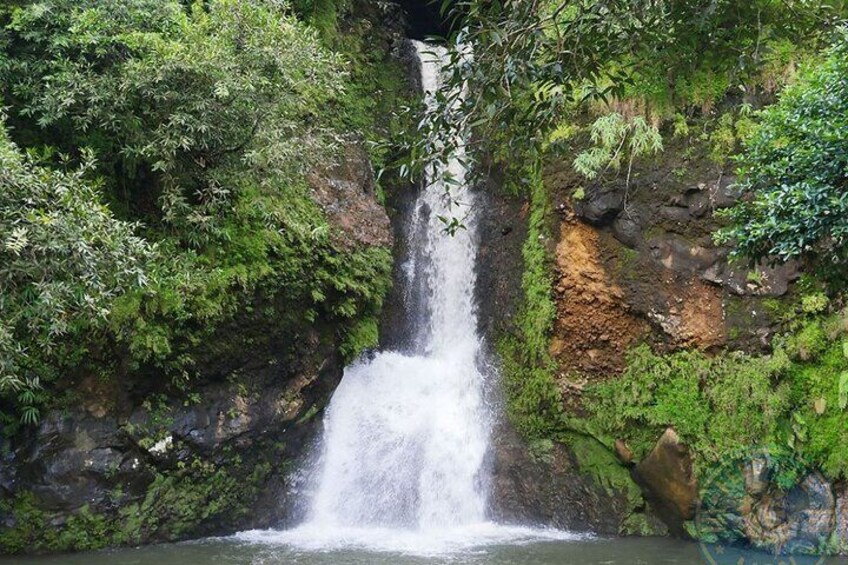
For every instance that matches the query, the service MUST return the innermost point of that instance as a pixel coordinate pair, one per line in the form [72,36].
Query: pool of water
[270,551]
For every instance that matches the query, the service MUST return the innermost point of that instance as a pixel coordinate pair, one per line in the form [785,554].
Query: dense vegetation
[604,84]
[795,173]
[153,191]
[153,184]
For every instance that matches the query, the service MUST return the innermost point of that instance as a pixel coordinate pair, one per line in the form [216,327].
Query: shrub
[794,174]
[64,260]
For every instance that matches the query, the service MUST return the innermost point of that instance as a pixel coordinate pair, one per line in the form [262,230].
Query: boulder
[668,482]
[627,230]
[798,522]
[677,214]
[600,205]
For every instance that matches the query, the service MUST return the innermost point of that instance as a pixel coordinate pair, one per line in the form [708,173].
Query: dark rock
[404,51]
[668,482]
[77,460]
[627,230]
[682,256]
[725,195]
[552,491]
[7,470]
[841,519]
[675,214]
[702,200]
[502,231]
[762,280]
[756,476]
[600,205]
[698,204]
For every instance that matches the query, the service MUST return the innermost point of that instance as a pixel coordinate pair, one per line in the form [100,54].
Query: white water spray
[406,436]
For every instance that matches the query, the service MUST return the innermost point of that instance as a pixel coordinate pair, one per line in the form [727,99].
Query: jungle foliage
[794,174]
[153,185]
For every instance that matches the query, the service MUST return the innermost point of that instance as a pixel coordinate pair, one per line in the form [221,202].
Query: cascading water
[406,434]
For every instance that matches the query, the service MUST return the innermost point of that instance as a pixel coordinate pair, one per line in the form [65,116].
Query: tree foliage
[177,104]
[527,66]
[64,258]
[615,138]
[795,173]
[174,138]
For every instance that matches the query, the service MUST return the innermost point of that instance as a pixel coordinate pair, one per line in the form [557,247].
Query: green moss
[29,521]
[595,459]
[176,504]
[822,437]
[714,403]
[363,335]
[323,15]
[534,402]
[627,264]
[793,399]
[809,342]
[637,524]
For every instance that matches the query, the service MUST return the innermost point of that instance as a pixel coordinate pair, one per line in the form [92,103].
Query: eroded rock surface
[346,193]
[667,478]
[550,489]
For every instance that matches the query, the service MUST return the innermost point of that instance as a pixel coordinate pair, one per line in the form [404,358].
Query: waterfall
[406,434]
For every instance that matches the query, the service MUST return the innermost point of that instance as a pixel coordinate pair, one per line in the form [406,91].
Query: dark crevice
[425,19]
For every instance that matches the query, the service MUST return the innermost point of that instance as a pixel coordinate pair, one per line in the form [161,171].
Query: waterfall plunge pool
[590,551]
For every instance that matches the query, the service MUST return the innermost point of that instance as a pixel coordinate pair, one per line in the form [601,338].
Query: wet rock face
[667,478]
[246,432]
[552,491]
[502,230]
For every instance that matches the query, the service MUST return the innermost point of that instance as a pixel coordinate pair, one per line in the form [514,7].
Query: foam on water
[313,537]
